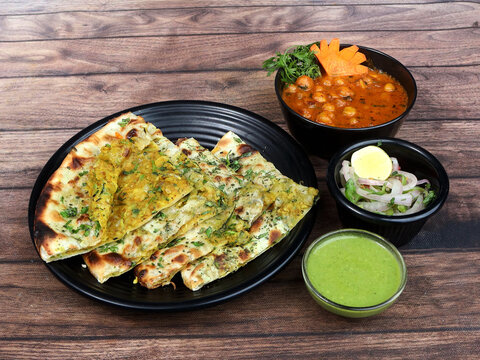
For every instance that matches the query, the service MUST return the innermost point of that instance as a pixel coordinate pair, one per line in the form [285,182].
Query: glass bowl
[347,310]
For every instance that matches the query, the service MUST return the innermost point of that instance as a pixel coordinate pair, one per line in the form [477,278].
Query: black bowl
[412,158]
[324,140]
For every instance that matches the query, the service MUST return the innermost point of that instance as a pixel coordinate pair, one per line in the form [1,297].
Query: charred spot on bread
[180,141]
[186,152]
[256,225]
[42,232]
[244,255]
[92,258]
[132,133]
[220,260]
[274,236]
[77,162]
[181,258]
[245,149]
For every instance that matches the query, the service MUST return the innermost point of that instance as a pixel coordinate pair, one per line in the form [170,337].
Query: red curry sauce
[347,101]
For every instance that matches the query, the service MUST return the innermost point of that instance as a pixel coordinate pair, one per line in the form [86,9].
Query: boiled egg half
[371,162]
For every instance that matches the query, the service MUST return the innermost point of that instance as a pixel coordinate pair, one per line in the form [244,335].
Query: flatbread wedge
[118,257]
[62,227]
[292,202]
[250,202]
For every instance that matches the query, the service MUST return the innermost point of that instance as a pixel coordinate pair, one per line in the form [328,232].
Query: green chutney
[353,270]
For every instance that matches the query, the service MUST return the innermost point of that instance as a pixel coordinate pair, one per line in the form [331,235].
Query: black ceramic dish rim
[185,305]
[401,219]
[357,130]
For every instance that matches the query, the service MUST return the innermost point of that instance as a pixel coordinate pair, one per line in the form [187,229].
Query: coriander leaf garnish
[69,212]
[124,122]
[295,61]
[209,231]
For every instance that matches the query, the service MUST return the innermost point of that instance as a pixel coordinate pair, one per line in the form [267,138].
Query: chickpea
[349,111]
[327,82]
[368,80]
[306,113]
[299,104]
[305,82]
[353,121]
[339,82]
[345,91]
[328,107]
[325,117]
[291,89]
[389,87]
[319,97]
[340,103]
[318,88]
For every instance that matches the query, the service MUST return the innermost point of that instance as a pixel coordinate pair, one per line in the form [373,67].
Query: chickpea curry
[348,95]
[353,101]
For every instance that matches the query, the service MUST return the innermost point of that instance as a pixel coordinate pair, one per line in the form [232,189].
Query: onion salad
[400,194]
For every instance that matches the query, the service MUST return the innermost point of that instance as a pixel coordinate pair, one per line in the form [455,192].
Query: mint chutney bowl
[354,273]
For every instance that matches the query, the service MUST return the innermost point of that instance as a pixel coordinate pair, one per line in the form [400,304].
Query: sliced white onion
[411,180]
[397,187]
[400,199]
[417,206]
[406,195]
[395,164]
[345,171]
[415,193]
[363,181]
[373,206]
[423,181]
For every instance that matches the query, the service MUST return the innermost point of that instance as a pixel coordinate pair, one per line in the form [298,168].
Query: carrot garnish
[118,135]
[339,62]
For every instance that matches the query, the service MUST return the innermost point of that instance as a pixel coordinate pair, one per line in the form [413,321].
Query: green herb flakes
[124,122]
[69,212]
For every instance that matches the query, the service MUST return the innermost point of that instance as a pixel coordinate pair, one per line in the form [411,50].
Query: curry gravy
[347,101]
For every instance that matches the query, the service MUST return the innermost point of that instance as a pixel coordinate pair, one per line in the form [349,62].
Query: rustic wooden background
[66,64]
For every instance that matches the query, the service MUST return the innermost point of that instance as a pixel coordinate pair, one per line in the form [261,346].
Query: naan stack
[128,198]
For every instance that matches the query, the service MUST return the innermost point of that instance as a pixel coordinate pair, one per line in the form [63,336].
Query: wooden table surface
[67,64]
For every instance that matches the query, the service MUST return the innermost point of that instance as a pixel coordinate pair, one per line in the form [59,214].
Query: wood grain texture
[20,166]
[66,101]
[432,345]
[75,57]
[458,214]
[16,7]
[433,287]
[67,64]
[237,20]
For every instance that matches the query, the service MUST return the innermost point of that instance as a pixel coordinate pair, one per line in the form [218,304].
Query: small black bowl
[412,158]
[324,140]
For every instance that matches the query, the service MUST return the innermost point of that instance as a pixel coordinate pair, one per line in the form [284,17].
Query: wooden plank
[432,302]
[63,102]
[12,7]
[137,55]
[431,345]
[235,20]
[459,215]
[20,166]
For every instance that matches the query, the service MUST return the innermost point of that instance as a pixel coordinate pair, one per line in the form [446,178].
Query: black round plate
[207,122]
